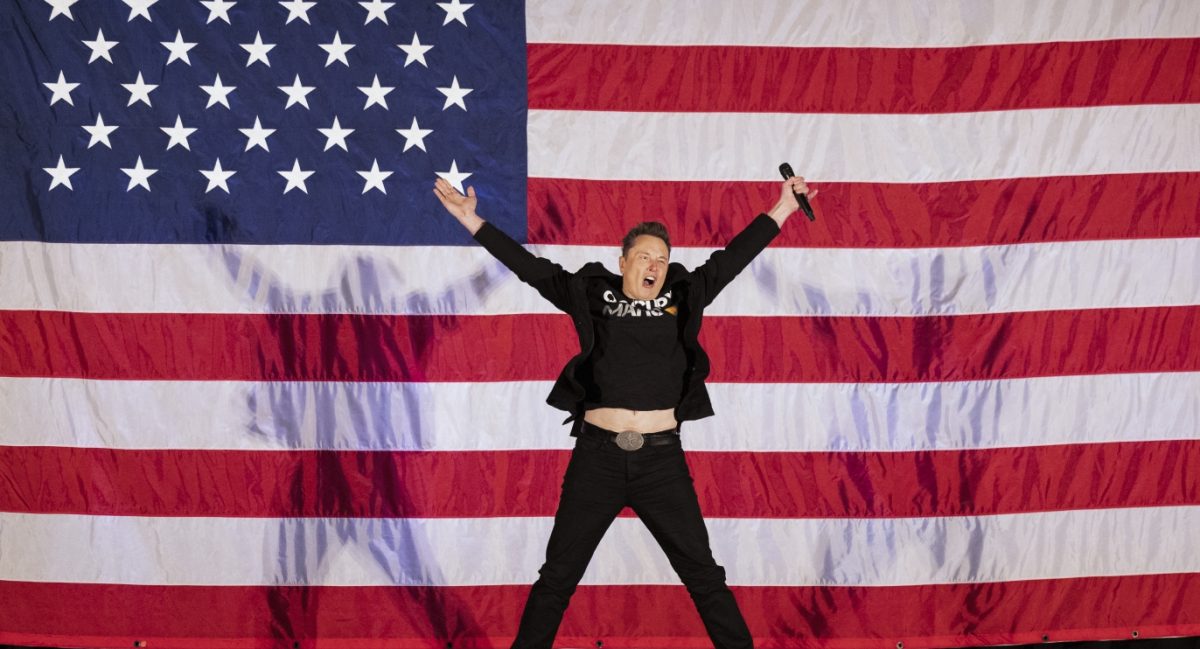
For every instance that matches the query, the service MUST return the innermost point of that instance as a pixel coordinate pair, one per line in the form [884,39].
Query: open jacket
[694,289]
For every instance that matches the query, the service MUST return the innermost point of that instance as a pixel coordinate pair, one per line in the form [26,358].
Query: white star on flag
[218,93]
[335,135]
[217,177]
[257,136]
[258,50]
[140,8]
[218,9]
[454,176]
[139,91]
[376,9]
[454,95]
[415,51]
[99,132]
[297,93]
[61,8]
[178,48]
[298,9]
[455,10]
[61,175]
[61,89]
[414,136]
[374,178]
[179,134]
[139,175]
[337,50]
[296,177]
[100,47]
[376,94]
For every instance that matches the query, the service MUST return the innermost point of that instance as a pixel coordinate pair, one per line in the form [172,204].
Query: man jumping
[639,373]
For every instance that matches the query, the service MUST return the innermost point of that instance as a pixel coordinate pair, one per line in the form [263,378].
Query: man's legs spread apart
[593,493]
[663,496]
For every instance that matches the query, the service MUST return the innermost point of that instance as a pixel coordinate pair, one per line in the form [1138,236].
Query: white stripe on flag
[462,416]
[857,23]
[760,552]
[117,278]
[869,148]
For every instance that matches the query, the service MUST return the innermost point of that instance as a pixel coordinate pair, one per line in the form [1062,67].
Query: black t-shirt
[638,361]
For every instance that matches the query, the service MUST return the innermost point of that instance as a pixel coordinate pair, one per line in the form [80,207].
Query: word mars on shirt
[637,308]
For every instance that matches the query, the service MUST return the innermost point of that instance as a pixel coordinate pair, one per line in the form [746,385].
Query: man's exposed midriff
[620,420]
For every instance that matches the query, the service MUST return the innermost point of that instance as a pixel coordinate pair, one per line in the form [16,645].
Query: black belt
[630,440]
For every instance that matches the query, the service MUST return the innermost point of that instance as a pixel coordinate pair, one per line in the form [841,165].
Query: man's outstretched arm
[725,264]
[542,274]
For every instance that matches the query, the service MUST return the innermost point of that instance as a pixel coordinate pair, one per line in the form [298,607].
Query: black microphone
[786,170]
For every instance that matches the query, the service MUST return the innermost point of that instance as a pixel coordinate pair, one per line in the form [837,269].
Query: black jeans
[601,480]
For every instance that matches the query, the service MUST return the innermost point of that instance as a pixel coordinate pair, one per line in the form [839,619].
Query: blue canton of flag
[196,121]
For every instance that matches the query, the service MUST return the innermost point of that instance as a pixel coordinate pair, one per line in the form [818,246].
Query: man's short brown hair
[652,228]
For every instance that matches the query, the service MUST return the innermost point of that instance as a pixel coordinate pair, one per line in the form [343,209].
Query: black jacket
[694,289]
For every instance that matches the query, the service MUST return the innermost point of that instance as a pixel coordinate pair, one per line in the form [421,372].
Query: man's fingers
[442,197]
[797,184]
[446,191]
[471,191]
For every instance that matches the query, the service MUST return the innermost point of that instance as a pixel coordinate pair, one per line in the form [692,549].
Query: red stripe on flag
[865,215]
[534,347]
[962,614]
[526,483]
[862,80]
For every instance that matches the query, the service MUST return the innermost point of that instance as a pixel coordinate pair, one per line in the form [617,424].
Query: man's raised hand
[787,199]
[459,206]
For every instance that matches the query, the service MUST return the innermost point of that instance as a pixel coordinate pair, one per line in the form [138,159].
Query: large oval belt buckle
[630,441]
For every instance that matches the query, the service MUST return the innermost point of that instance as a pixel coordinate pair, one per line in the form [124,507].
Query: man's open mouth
[648,282]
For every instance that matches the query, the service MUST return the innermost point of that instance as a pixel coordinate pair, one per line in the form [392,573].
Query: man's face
[644,267]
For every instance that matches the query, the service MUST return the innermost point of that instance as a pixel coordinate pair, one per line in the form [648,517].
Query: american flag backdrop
[258,389]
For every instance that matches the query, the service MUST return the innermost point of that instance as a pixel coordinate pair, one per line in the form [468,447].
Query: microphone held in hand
[786,170]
